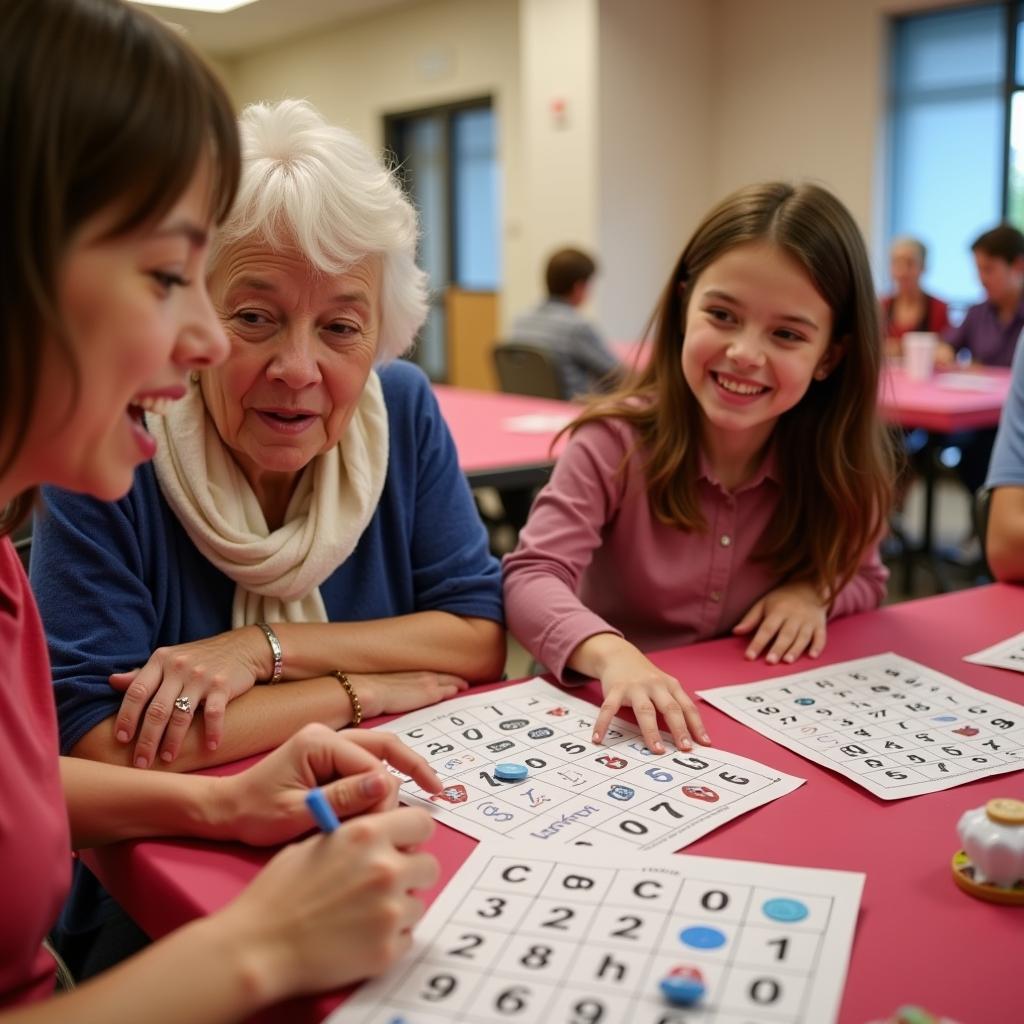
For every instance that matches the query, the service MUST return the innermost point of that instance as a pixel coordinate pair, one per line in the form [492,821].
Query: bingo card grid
[893,726]
[584,937]
[619,793]
[1007,654]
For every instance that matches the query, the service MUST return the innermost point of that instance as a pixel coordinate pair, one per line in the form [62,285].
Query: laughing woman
[305,521]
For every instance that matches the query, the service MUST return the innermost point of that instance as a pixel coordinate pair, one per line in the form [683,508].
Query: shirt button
[716,596]
[725,540]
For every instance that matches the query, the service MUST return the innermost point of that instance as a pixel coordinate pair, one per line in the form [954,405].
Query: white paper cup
[919,354]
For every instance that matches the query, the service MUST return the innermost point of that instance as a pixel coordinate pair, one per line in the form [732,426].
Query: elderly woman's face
[905,266]
[302,346]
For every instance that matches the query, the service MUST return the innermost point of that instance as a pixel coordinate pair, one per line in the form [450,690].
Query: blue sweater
[116,581]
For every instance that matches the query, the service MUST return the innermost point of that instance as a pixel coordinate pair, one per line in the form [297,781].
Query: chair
[527,370]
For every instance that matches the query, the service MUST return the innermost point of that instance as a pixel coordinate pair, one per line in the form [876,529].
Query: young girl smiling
[740,482]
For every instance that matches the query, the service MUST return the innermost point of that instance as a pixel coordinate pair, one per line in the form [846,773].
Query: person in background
[1004,540]
[910,308]
[120,157]
[987,337]
[585,362]
[738,484]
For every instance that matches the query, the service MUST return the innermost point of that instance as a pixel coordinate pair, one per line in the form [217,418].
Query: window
[448,162]
[948,152]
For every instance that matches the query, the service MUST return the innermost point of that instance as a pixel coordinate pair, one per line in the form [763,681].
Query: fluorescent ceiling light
[208,6]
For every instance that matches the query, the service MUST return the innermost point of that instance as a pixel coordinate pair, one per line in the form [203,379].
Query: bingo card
[895,727]
[1008,654]
[575,791]
[581,936]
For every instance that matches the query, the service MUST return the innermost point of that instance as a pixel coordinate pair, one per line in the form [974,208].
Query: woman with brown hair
[121,155]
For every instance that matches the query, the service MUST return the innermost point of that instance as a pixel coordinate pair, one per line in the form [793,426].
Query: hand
[791,618]
[266,804]
[336,908]
[392,693]
[945,355]
[629,678]
[210,672]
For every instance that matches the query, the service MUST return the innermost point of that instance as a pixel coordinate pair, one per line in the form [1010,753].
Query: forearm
[591,657]
[471,648]
[259,720]
[108,803]
[1004,540]
[199,974]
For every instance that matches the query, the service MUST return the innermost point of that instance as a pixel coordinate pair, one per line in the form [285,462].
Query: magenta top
[35,843]
[593,558]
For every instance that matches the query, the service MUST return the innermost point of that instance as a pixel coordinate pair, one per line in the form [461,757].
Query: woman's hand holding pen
[265,804]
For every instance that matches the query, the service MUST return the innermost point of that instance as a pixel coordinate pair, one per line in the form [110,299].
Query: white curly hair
[319,187]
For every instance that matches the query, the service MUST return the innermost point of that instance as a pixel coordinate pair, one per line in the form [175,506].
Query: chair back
[527,370]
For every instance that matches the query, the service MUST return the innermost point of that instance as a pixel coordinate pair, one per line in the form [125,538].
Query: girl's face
[137,319]
[757,334]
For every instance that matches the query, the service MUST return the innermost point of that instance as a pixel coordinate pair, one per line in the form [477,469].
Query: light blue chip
[511,772]
[700,937]
[782,909]
[682,991]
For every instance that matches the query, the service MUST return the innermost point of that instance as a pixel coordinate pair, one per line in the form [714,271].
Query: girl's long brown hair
[835,459]
[102,107]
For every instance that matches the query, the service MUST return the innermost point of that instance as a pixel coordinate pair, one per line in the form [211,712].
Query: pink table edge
[918,940]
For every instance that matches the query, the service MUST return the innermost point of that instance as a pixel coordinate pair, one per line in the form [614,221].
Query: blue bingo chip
[782,909]
[682,991]
[511,772]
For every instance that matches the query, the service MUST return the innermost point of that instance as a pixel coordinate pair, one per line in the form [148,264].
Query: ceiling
[265,22]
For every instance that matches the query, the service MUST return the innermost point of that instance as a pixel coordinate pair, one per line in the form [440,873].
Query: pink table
[493,450]
[919,939]
[949,402]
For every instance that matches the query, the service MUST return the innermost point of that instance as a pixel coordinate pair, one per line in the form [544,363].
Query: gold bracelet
[357,708]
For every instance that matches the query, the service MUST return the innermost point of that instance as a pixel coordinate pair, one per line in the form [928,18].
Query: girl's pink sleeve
[867,588]
[542,575]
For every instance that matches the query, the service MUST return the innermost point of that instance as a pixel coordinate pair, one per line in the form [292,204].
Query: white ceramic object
[993,838]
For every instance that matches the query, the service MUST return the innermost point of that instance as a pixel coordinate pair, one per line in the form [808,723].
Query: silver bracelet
[275,650]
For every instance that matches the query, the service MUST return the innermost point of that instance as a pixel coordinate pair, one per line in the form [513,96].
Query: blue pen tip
[321,809]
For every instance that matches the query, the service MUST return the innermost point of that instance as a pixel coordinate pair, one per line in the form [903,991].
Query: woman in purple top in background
[739,484]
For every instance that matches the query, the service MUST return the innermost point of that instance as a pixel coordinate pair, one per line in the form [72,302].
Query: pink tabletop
[948,402]
[493,430]
[919,939]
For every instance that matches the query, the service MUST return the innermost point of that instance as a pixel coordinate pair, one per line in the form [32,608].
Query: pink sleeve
[542,575]
[867,588]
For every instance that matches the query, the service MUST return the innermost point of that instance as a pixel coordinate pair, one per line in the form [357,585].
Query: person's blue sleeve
[1006,468]
[89,580]
[453,569]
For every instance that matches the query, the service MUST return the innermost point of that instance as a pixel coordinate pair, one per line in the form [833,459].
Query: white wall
[668,105]
[799,91]
[654,171]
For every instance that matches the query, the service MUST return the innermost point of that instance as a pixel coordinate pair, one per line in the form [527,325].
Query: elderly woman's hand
[167,691]
[393,693]
[266,804]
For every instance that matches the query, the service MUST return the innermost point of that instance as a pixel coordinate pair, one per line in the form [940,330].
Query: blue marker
[321,809]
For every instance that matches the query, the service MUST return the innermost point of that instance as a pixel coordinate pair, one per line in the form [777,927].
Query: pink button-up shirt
[593,557]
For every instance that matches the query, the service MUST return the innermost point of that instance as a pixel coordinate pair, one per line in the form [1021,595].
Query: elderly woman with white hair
[305,522]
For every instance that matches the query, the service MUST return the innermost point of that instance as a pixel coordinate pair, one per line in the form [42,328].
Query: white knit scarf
[278,573]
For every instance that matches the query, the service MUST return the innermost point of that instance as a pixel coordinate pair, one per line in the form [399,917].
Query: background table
[492,452]
[919,939]
[945,404]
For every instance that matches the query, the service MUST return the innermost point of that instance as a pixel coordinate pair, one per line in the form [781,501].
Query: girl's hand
[628,678]
[392,693]
[791,618]
[207,672]
[334,908]
[265,804]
